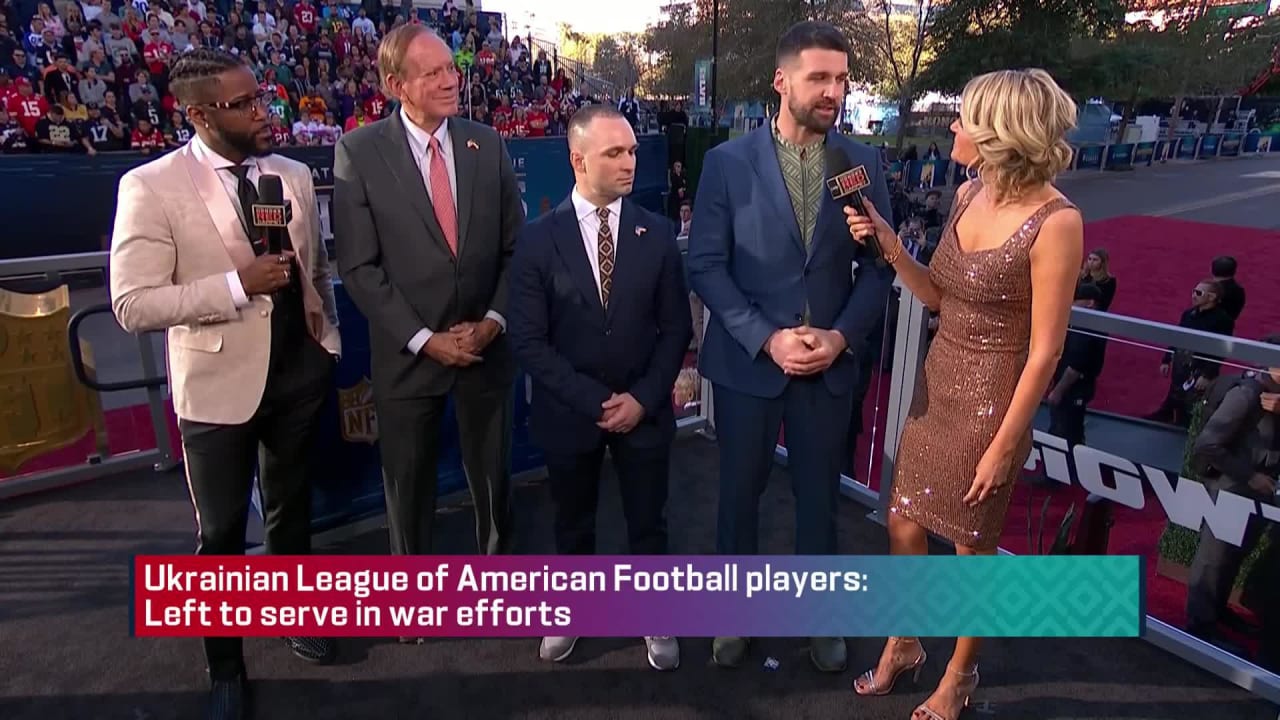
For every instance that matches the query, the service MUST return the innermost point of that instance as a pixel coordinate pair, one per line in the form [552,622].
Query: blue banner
[1089,157]
[1188,145]
[1144,153]
[30,180]
[1250,143]
[1120,156]
[1230,146]
[1209,146]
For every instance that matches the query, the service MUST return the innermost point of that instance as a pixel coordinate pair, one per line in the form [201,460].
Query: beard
[247,144]
[808,118]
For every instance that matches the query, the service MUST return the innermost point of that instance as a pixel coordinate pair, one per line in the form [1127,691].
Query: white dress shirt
[420,145]
[221,167]
[589,224]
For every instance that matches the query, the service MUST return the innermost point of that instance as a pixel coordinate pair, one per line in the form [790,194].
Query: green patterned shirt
[802,172]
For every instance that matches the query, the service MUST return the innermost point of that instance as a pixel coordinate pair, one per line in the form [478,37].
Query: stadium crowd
[91,76]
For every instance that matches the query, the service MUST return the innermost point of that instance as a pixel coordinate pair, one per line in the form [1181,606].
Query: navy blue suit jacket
[747,262]
[576,352]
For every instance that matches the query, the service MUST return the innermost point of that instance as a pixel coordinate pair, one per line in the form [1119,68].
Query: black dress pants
[220,461]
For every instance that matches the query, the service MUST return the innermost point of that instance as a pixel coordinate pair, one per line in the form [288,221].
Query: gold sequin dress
[969,375]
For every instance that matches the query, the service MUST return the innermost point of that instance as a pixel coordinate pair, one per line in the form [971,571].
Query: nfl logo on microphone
[269,215]
[848,182]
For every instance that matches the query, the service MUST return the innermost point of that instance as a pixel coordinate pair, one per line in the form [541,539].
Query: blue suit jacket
[576,352]
[748,263]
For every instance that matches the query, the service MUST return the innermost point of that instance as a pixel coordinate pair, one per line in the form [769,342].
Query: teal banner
[1144,153]
[1119,156]
[1187,146]
[701,86]
[1209,145]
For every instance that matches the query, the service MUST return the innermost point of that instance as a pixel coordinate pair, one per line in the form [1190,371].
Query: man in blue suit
[599,318]
[793,301]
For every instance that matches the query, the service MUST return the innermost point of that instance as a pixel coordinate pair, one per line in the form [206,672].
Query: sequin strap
[1031,228]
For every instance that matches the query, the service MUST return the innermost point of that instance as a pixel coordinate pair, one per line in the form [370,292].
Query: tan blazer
[177,235]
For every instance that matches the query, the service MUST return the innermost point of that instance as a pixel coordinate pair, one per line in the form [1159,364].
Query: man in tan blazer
[252,335]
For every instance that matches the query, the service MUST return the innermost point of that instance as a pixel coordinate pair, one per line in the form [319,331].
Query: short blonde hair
[394,47]
[1018,120]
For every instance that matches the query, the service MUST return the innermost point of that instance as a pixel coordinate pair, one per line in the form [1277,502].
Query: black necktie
[247,195]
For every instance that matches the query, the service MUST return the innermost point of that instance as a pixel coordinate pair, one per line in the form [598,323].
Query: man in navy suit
[599,318]
[793,301]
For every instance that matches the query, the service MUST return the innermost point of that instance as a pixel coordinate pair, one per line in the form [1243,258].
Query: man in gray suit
[426,212]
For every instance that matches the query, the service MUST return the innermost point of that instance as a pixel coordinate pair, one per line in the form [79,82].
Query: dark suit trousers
[643,477]
[220,462]
[747,430]
[1216,565]
[409,435]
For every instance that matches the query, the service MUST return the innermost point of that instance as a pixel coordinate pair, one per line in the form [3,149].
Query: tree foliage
[613,59]
[977,36]
[749,31]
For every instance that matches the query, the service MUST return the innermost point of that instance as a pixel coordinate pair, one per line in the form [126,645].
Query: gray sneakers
[556,649]
[663,652]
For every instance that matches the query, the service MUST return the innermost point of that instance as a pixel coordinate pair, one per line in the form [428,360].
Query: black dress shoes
[229,699]
[320,651]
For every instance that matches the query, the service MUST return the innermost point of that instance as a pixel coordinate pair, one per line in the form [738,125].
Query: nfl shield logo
[355,408]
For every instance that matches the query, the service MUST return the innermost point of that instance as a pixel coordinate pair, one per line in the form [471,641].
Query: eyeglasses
[260,101]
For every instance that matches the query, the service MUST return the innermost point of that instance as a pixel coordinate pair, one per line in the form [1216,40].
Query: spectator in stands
[60,79]
[1224,271]
[686,217]
[146,138]
[13,139]
[92,89]
[105,133]
[1097,272]
[54,133]
[26,107]
[73,109]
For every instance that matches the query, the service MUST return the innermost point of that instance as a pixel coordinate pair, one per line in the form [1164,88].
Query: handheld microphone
[271,213]
[845,183]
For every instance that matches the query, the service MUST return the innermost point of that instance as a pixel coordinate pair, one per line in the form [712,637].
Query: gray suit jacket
[393,258]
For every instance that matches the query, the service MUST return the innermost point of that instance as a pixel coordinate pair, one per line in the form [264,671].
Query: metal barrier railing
[58,270]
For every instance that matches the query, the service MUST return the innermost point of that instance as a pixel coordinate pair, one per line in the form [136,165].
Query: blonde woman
[1097,272]
[1002,281]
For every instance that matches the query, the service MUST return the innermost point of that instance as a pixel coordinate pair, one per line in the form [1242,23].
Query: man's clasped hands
[805,350]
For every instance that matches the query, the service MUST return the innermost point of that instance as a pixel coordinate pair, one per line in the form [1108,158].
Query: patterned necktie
[442,196]
[605,255]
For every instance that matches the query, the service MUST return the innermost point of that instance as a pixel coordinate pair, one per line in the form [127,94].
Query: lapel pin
[472,145]
[640,230]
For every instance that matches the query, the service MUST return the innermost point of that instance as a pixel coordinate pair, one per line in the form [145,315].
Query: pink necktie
[442,196]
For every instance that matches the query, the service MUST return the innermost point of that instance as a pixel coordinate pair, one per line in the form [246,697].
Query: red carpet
[1157,262]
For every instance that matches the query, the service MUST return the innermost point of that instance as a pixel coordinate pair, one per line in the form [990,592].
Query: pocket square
[472,144]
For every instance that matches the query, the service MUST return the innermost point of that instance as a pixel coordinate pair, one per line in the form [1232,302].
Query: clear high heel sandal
[968,684]
[868,678]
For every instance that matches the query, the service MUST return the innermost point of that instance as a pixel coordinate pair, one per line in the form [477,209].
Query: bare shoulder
[1061,238]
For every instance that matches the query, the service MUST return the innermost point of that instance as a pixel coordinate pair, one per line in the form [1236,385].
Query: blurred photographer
[1239,451]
